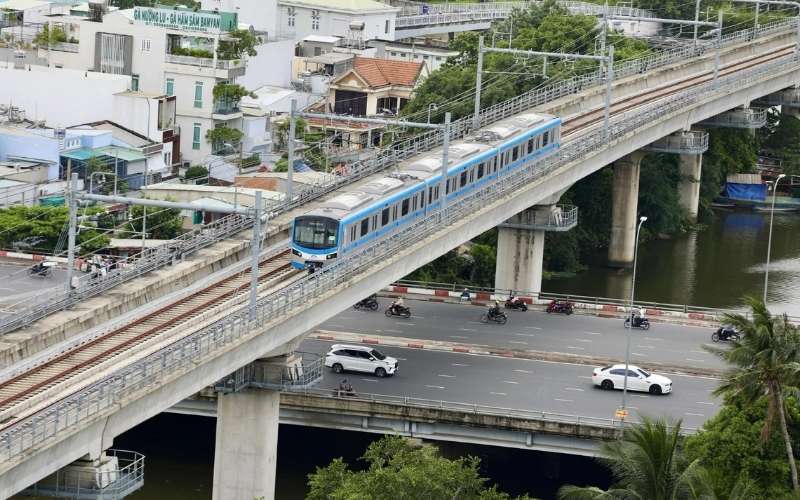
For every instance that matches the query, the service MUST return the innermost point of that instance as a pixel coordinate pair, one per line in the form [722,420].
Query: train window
[530,145]
[385,217]
[404,209]
[430,194]
[394,212]
[422,199]
[545,138]
[353,233]
[501,158]
[414,203]
[365,226]
[448,187]
[463,181]
[471,175]
[515,153]
[436,193]
[315,232]
[480,170]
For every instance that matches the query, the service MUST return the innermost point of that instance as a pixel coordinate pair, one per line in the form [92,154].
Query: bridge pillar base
[520,253]
[246,450]
[689,184]
[625,200]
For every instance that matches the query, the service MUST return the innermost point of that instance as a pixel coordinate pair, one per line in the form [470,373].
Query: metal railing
[264,374]
[738,118]
[546,218]
[184,356]
[786,97]
[204,62]
[474,408]
[692,142]
[65,47]
[115,483]
[391,156]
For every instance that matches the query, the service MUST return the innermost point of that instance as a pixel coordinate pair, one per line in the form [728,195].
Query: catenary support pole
[717,48]
[769,238]
[604,35]
[696,19]
[476,117]
[445,162]
[609,82]
[630,315]
[256,248]
[290,151]
[73,215]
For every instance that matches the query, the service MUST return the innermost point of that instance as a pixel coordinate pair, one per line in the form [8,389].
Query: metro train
[365,212]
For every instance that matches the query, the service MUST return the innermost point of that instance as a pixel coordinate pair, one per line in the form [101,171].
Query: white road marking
[583,340]
[458,364]
[517,342]
[585,376]
[434,387]
[576,348]
[653,338]
[573,389]
[696,360]
[468,330]
[634,408]
[410,324]
[533,327]
[524,335]
[523,371]
[639,354]
[646,346]
[698,352]
[475,322]
[510,382]
[418,317]
[499,393]
[400,359]
[703,403]
[393,331]
[564,400]
[694,414]
[458,337]
[369,380]
[446,376]
[592,333]
[641,396]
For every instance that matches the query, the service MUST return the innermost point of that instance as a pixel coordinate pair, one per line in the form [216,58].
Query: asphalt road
[576,334]
[17,288]
[521,384]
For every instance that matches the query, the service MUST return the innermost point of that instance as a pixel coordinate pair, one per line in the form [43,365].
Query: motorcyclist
[494,308]
[464,296]
[367,300]
[345,388]
[398,304]
[37,268]
[726,331]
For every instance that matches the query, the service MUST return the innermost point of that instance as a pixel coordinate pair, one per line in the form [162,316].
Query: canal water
[715,267]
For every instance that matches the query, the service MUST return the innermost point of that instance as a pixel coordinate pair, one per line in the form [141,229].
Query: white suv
[360,359]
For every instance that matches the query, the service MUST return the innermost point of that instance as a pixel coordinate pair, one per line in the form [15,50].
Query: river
[714,267]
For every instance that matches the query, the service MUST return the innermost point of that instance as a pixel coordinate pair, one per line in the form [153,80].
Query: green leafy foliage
[230,92]
[39,228]
[197,172]
[218,136]
[239,44]
[162,223]
[180,51]
[782,139]
[399,470]
[49,36]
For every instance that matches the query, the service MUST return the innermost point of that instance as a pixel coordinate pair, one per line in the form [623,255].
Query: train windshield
[315,232]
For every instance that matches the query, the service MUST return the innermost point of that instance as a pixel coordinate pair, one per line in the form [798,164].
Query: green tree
[39,228]
[50,36]
[765,362]
[162,223]
[238,44]
[219,136]
[197,172]
[647,464]
[783,140]
[398,470]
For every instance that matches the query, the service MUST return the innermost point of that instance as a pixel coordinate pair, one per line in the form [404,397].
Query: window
[290,16]
[422,199]
[618,371]
[170,87]
[463,181]
[530,145]
[196,136]
[394,212]
[426,57]
[134,82]
[438,58]
[315,232]
[480,170]
[145,45]
[377,354]
[168,159]
[404,208]
[315,20]
[545,138]
[402,54]
[385,217]
[365,226]
[394,54]
[317,51]
[414,203]
[386,27]
[198,94]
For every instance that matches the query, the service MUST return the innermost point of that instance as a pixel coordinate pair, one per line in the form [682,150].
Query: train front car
[315,240]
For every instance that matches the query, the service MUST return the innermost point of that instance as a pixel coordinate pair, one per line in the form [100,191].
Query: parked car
[360,359]
[639,379]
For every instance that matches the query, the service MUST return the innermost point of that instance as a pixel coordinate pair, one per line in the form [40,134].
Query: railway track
[158,325]
[36,385]
[578,123]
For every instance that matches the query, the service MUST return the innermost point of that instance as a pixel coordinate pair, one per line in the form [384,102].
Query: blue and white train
[377,207]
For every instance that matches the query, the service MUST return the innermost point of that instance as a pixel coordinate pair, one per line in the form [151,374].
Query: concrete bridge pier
[689,186]
[625,200]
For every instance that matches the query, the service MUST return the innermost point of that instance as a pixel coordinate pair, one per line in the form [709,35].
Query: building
[433,55]
[371,87]
[359,20]
[191,55]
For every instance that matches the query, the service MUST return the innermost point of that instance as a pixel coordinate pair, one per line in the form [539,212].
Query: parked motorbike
[395,310]
[370,303]
[638,322]
[560,306]
[516,303]
[725,333]
[496,316]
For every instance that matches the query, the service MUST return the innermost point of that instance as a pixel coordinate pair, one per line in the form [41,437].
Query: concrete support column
[625,200]
[245,455]
[689,184]
[519,254]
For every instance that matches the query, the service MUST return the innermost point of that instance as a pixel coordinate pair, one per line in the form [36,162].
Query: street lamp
[432,106]
[642,219]
[103,174]
[769,239]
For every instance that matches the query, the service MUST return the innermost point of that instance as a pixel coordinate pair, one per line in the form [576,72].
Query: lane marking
[646,346]
[585,376]
[703,403]
[434,387]
[524,335]
[654,338]
[523,371]
[592,333]
[498,393]
[699,352]
[639,354]
[417,317]
[475,322]
[533,327]
[573,389]
[446,376]
[510,382]
[468,330]
[576,348]
[401,359]
[564,400]
[696,360]
[641,396]
[458,337]
[410,324]
[369,380]
[633,407]
[694,414]
[517,342]
[393,331]
[459,364]
[583,340]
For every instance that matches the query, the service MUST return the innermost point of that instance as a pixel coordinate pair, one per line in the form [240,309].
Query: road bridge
[86,404]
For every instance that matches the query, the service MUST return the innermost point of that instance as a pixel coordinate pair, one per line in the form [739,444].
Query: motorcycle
[725,334]
[560,306]
[369,303]
[516,303]
[42,269]
[498,317]
[638,322]
[395,310]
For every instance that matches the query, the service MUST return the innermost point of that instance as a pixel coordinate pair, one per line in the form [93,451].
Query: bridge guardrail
[184,355]
[390,157]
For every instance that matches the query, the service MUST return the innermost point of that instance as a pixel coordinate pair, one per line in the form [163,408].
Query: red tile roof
[383,72]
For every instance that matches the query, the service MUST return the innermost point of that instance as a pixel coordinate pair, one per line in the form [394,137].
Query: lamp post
[769,239]
[432,106]
[642,220]
[91,180]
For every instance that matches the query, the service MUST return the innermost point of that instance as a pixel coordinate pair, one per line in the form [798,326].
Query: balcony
[231,67]
[224,108]
[557,218]
[65,47]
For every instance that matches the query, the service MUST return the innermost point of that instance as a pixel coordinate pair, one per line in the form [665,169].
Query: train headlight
[296,252]
[330,256]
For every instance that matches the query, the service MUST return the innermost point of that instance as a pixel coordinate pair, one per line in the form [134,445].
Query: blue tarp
[754,192]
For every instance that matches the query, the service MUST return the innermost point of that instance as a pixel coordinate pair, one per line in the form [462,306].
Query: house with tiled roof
[372,87]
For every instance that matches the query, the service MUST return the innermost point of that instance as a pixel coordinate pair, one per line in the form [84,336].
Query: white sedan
[639,379]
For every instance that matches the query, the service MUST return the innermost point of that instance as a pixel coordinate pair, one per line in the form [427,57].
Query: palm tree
[765,362]
[646,465]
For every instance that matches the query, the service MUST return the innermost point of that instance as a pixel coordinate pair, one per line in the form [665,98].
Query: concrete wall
[260,14]
[272,65]
[335,23]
